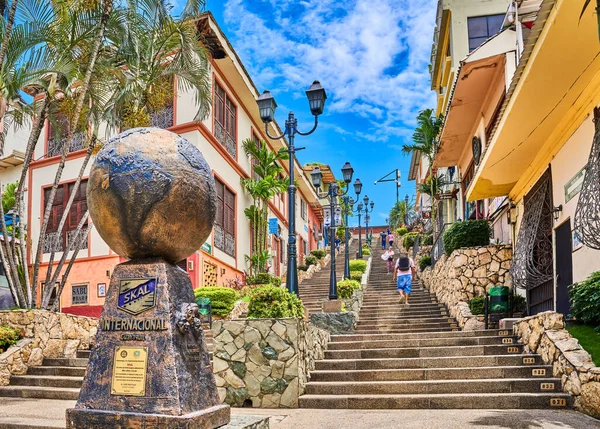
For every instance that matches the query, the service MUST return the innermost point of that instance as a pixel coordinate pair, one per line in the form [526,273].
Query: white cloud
[351,47]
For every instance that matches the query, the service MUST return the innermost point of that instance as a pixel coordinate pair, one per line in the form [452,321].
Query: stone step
[46,381]
[77,362]
[403,320]
[388,330]
[39,392]
[409,335]
[388,325]
[83,354]
[67,371]
[426,362]
[529,371]
[439,401]
[419,387]
[423,342]
[415,352]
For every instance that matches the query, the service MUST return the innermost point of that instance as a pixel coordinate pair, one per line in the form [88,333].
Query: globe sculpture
[152,194]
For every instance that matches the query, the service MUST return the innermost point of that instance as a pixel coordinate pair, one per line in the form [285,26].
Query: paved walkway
[50,414]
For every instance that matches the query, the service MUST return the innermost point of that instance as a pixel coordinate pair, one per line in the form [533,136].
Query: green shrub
[310,260]
[356,275]
[427,239]
[477,305]
[358,265]
[274,302]
[303,267]
[402,231]
[263,279]
[319,253]
[276,281]
[9,337]
[221,298]
[424,262]
[346,288]
[585,300]
[408,241]
[519,303]
[366,252]
[469,233]
[365,246]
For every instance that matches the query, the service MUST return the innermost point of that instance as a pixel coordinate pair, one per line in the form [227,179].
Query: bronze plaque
[503,333]
[513,350]
[528,361]
[547,386]
[507,340]
[137,295]
[558,402]
[539,372]
[130,365]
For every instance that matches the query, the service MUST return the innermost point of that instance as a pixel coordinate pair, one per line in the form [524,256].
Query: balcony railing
[225,139]
[55,144]
[163,118]
[55,241]
[224,240]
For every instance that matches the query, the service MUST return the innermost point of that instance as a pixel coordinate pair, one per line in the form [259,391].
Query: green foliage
[589,338]
[310,260]
[8,197]
[424,262]
[366,252]
[402,231]
[356,275]
[221,298]
[259,279]
[430,185]
[276,281]
[469,233]
[427,239]
[365,246]
[274,302]
[519,303]
[408,241]
[318,253]
[585,300]
[477,306]
[303,267]
[9,337]
[358,265]
[346,288]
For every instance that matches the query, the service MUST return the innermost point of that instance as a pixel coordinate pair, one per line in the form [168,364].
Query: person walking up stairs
[415,356]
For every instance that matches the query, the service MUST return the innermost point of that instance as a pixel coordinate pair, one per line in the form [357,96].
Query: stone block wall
[265,362]
[545,335]
[46,335]
[465,274]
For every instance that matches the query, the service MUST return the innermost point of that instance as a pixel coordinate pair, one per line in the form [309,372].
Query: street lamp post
[333,193]
[348,207]
[406,210]
[366,211]
[266,105]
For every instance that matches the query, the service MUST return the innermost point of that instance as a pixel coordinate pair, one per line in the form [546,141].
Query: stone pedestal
[333,306]
[150,367]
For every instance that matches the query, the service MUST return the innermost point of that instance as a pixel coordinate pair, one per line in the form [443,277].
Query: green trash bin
[499,299]
[204,307]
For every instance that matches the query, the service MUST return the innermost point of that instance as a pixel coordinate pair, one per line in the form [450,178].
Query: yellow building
[538,152]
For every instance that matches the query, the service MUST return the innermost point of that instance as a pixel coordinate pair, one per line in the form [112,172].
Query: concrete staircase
[414,356]
[315,290]
[58,378]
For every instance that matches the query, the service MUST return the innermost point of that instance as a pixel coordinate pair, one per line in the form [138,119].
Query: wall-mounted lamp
[556,212]
[222,271]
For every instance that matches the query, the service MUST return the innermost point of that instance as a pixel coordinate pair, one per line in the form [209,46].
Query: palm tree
[402,213]
[425,141]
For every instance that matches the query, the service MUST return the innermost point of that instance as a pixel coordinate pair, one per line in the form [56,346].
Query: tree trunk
[77,113]
[8,30]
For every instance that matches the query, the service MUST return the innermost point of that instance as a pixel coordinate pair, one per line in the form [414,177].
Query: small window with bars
[224,230]
[225,124]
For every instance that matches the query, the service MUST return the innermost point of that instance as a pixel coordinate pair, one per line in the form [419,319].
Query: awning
[475,80]
[12,160]
[554,89]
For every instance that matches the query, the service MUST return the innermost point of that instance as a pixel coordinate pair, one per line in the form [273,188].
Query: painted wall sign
[130,365]
[338,215]
[577,243]
[573,186]
[79,294]
[327,217]
[273,226]
[137,295]
[206,248]
[306,228]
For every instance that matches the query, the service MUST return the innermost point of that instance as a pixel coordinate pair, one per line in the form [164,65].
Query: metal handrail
[438,245]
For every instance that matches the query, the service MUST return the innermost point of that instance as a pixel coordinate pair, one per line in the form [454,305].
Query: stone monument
[152,198]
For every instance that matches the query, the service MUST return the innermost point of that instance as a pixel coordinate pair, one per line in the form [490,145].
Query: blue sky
[371,57]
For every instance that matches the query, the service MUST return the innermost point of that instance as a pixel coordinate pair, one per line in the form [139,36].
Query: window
[303,210]
[225,220]
[482,28]
[79,294]
[58,129]
[76,212]
[225,120]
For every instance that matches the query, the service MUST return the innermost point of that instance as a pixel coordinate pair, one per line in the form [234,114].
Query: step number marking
[547,386]
[529,361]
[538,372]
[513,350]
[558,402]
[503,333]
[507,340]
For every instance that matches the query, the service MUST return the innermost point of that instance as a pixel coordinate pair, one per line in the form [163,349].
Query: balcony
[163,118]
[225,139]
[55,242]
[55,144]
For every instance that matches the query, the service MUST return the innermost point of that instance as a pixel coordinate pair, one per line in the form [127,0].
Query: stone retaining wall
[465,274]
[265,362]
[545,335]
[46,335]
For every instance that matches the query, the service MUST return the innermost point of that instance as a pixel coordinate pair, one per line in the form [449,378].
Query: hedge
[402,231]
[585,300]
[424,262]
[469,233]
[221,298]
[356,275]
[319,253]
[310,260]
[346,288]
[408,241]
[477,306]
[274,302]
[366,252]
[358,265]
[263,279]
[9,337]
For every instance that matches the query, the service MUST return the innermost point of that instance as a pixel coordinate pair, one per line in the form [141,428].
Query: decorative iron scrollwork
[476,145]
[587,213]
[532,262]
